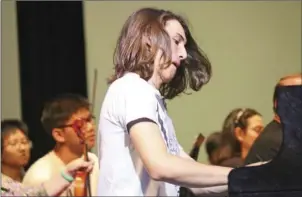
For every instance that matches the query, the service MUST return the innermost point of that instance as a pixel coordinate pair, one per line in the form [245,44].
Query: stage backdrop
[51,61]
[250,44]
[10,81]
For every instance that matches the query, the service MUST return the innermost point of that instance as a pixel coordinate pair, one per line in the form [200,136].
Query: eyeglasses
[79,123]
[15,144]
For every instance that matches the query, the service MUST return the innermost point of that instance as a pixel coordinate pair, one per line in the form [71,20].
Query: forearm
[215,191]
[56,185]
[188,173]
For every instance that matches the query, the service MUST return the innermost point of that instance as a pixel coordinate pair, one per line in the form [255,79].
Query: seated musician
[269,141]
[58,119]
[51,187]
[240,129]
[15,149]
[213,142]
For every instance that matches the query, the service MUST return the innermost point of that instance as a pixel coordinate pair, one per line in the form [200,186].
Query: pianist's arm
[215,191]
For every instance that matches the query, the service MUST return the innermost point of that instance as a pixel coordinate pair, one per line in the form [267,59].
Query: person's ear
[58,135]
[239,134]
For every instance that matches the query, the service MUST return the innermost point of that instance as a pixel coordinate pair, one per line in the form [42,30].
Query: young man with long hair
[156,58]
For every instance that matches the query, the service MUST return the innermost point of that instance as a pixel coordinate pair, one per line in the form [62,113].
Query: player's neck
[65,154]
[244,152]
[13,172]
[155,81]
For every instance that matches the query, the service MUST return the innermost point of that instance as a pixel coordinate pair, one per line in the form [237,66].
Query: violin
[82,186]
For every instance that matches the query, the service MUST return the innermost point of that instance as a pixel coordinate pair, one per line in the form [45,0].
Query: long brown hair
[142,35]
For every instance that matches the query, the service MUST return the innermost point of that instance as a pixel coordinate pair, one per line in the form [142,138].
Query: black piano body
[282,176]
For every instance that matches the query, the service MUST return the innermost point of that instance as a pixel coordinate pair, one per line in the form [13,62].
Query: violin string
[92,111]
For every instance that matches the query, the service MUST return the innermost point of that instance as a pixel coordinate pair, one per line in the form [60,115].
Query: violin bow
[183,191]
[95,79]
[92,112]
[194,153]
[88,185]
[86,191]
[82,138]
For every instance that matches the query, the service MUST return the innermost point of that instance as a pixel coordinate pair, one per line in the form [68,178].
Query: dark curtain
[52,60]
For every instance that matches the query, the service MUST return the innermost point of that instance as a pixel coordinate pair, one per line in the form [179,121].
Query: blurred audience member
[15,149]
[213,142]
[240,129]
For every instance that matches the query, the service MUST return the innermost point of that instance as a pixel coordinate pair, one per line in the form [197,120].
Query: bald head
[291,80]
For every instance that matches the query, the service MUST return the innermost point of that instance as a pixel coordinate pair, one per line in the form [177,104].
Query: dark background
[52,60]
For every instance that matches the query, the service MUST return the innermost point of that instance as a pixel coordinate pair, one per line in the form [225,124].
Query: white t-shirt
[51,165]
[130,100]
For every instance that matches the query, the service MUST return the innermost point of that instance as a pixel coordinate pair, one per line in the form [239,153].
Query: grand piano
[282,176]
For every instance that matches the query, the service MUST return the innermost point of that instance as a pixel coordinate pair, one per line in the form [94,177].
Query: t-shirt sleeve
[140,106]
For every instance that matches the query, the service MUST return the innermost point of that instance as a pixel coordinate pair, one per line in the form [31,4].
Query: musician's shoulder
[43,169]
[128,83]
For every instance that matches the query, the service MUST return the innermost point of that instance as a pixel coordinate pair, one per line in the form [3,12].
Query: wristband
[67,177]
